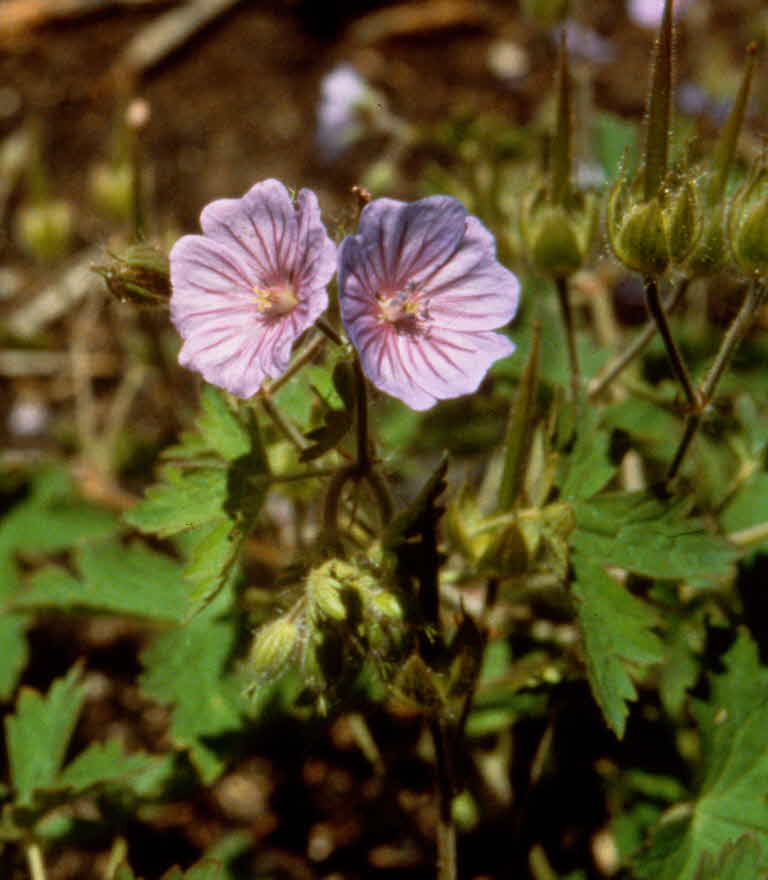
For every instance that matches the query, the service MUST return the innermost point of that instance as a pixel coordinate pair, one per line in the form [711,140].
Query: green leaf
[618,641]
[39,732]
[204,870]
[186,668]
[124,580]
[220,429]
[612,138]
[638,532]
[749,507]
[211,561]
[182,501]
[588,466]
[14,653]
[731,800]
[69,522]
[105,763]
[735,861]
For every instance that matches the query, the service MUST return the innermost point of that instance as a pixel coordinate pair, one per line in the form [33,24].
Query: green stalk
[659,118]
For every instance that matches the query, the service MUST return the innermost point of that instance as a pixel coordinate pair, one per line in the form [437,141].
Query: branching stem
[617,366]
[656,309]
[753,302]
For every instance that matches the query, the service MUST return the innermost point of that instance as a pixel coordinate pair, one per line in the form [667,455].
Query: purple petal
[403,241]
[472,291]
[261,226]
[422,371]
[420,291]
[250,244]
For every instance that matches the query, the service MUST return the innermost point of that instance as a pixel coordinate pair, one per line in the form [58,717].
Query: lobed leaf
[619,643]
[105,763]
[39,732]
[731,800]
[124,580]
[182,501]
[648,536]
[186,668]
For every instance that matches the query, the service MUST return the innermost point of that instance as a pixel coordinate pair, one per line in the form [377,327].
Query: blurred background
[204,98]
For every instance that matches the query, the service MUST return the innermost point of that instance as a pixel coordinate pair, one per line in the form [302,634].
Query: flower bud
[650,235]
[140,275]
[385,605]
[44,229]
[273,646]
[748,227]
[558,238]
[324,592]
[506,554]
[111,189]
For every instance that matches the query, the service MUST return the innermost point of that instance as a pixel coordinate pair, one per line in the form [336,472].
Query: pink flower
[420,292]
[648,13]
[250,285]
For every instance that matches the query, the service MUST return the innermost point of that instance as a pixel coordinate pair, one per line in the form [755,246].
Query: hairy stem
[656,309]
[617,366]
[753,301]
[288,430]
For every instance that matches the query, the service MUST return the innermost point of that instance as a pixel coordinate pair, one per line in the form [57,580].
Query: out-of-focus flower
[250,285]
[647,13]
[584,42]
[420,292]
[343,94]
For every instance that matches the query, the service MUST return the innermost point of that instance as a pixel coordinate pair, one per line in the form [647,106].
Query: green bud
[324,591]
[506,554]
[273,646]
[557,240]
[650,235]
[748,227]
[111,189]
[710,255]
[141,275]
[681,222]
[44,229]
[639,239]
[385,605]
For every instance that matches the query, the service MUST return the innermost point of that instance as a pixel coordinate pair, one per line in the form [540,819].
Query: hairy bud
[140,275]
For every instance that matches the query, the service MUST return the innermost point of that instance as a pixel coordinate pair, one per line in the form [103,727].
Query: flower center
[403,309]
[279,299]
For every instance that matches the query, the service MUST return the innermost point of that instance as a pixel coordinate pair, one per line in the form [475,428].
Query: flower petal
[472,290]
[403,241]
[250,243]
[261,226]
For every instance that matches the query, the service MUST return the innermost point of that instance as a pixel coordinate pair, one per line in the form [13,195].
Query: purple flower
[250,285]
[648,13]
[420,292]
[343,93]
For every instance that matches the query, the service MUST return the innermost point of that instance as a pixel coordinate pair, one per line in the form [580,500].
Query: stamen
[276,300]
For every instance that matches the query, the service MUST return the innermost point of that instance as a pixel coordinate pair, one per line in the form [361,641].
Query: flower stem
[753,301]
[303,356]
[638,344]
[323,325]
[283,425]
[656,309]
[361,425]
[570,334]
